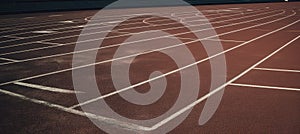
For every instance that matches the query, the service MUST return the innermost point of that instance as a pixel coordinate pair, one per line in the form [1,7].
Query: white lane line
[6,59]
[46,88]
[15,37]
[225,40]
[190,65]
[98,24]
[43,32]
[49,43]
[110,121]
[55,15]
[227,83]
[67,21]
[266,87]
[28,18]
[93,49]
[184,38]
[277,70]
[173,28]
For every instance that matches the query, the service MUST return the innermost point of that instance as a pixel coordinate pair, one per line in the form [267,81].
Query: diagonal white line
[46,88]
[277,70]
[10,60]
[267,87]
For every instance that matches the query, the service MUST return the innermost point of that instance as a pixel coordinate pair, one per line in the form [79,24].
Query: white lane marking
[234,8]
[49,43]
[46,88]
[28,18]
[43,32]
[67,21]
[266,87]
[76,112]
[197,62]
[55,15]
[151,39]
[225,40]
[277,70]
[173,28]
[80,26]
[97,24]
[146,19]
[112,22]
[15,37]
[11,60]
[185,38]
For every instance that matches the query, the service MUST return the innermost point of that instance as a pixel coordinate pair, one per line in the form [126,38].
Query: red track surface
[262,52]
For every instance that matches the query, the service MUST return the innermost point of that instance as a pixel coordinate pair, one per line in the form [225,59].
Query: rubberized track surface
[261,43]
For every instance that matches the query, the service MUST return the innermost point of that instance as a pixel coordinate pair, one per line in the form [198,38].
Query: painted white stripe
[190,65]
[47,47]
[225,40]
[15,37]
[67,21]
[97,63]
[43,32]
[55,15]
[49,43]
[110,121]
[28,18]
[267,87]
[11,60]
[278,70]
[45,88]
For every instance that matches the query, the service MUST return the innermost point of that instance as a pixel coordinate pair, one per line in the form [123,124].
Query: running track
[260,41]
